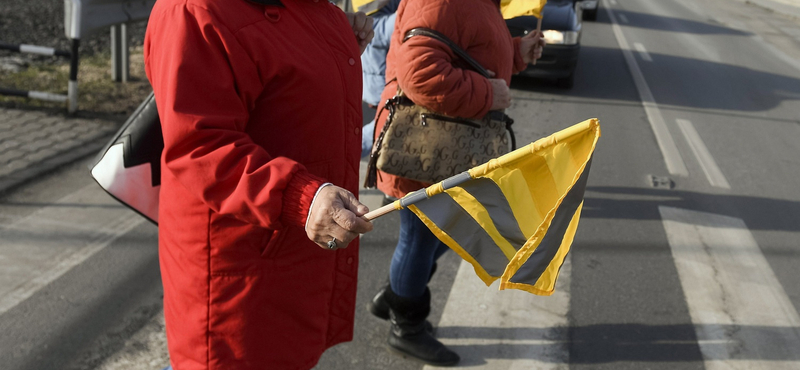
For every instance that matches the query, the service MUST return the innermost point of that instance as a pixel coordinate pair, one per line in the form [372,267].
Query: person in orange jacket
[261,117]
[430,75]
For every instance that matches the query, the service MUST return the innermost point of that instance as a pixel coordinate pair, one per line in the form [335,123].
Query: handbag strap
[456,49]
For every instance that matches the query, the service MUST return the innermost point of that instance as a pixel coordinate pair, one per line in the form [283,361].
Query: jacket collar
[268,2]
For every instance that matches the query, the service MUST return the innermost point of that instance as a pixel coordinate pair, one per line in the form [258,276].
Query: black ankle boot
[378,306]
[408,336]
[380,309]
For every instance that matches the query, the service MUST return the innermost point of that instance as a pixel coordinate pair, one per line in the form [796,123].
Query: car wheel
[566,82]
[590,15]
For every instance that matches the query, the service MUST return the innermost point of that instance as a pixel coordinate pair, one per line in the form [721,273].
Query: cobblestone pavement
[33,143]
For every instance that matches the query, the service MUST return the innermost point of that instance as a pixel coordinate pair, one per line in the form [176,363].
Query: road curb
[26,174]
[778,7]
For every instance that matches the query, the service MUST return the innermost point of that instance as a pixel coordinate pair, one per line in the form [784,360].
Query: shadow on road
[758,213]
[675,82]
[671,24]
[605,343]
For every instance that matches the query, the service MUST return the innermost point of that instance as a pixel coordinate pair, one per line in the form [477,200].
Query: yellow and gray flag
[369,6]
[516,8]
[514,217]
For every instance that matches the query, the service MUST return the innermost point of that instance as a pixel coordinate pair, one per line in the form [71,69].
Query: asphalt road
[695,270]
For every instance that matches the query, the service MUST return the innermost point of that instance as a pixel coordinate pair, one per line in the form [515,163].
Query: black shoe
[378,306]
[380,309]
[409,336]
[421,346]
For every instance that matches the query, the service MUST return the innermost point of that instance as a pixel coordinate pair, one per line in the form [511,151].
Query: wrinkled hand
[336,213]
[501,96]
[531,46]
[362,28]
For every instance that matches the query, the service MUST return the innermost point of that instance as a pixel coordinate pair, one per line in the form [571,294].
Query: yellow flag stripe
[533,259]
[548,279]
[512,183]
[546,284]
[446,239]
[479,213]
[498,205]
[562,167]
[450,218]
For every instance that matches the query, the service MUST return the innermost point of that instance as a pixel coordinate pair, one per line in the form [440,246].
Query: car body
[561,25]
[589,8]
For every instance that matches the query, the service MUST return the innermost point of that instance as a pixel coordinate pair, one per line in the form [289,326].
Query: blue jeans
[417,250]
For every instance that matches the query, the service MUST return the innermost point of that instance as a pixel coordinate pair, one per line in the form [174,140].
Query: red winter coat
[424,66]
[259,104]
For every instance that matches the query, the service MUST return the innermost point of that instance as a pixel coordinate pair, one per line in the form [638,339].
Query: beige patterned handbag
[419,144]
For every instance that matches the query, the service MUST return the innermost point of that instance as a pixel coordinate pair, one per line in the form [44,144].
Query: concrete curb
[788,7]
[50,164]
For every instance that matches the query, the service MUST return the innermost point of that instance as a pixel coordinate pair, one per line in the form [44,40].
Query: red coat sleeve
[425,69]
[205,86]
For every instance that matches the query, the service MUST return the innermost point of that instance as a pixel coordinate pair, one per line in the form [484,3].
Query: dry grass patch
[98,95]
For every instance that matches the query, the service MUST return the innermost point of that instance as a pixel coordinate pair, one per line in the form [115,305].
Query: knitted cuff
[297,198]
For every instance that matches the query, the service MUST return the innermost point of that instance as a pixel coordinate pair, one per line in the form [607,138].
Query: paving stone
[7,134]
[28,127]
[18,164]
[9,144]
[10,156]
[5,170]
[32,142]
[35,146]
[64,145]
[49,121]
[40,155]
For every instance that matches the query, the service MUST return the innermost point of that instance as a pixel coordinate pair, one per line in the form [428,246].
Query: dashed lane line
[642,52]
[672,157]
[707,162]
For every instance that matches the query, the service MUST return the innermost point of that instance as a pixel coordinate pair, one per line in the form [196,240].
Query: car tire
[590,15]
[566,82]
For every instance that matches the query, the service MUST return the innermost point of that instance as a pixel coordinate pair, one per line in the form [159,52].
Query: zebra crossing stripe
[509,329]
[742,316]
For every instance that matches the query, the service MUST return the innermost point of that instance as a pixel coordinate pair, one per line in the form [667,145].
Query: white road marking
[672,157]
[642,51]
[623,18]
[707,162]
[741,313]
[777,52]
[507,329]
[37,249]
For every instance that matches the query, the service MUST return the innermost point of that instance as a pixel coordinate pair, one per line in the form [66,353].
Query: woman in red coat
[260,104]
[424,68]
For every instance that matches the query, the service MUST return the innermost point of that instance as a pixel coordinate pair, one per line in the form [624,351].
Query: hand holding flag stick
[538,31]
[516,8]
[514,217]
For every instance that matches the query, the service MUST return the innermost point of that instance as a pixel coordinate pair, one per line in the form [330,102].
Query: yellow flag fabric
[369,6]
[516,8]
[515,217]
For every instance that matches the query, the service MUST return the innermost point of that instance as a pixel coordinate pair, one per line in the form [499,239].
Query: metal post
[116,57]
[72,87]
[124,52]
[120,59]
